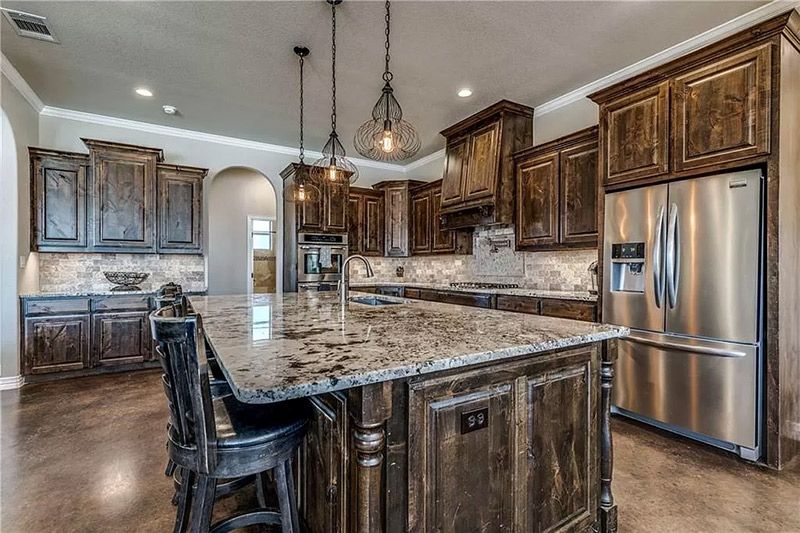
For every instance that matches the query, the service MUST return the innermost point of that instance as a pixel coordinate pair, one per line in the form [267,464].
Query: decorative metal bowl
[126,281]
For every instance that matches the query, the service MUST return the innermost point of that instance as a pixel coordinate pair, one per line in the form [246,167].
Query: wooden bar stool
[211,439]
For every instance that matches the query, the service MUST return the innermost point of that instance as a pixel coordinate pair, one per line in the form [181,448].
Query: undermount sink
[373,300]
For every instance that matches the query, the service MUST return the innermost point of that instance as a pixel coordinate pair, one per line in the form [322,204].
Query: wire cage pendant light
[303,187]
[334,165]
[387,137]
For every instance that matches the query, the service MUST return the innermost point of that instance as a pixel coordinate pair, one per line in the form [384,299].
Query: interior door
[712,257]
[635,217]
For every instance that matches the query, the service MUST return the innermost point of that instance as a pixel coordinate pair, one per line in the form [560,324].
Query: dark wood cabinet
[721,111]
[421,242]
[523,419]
[325,209]
[335,206]
[180,209]
[323,465]
[120,338]
[634,135]
[365,214]
[123,196]
[557,192]
[397,215]
[55,343]
[572,309]
[58,200]
[478,180]
[427,235]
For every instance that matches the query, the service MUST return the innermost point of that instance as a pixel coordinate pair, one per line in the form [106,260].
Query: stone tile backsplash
[494,260]
[78,272]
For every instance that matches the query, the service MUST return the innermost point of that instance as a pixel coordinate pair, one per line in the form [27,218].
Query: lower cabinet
[120,338]
[522,420]
[323,465]
[55,344]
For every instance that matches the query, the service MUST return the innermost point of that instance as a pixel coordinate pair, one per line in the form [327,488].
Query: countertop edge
[519,291]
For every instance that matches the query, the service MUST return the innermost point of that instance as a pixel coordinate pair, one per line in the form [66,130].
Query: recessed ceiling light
[463,93]
[169,109]
[141,91]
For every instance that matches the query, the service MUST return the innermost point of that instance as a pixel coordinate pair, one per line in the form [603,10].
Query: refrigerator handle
[673,255]
[658,238]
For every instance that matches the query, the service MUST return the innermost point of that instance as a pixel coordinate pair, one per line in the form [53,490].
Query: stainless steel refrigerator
[683,269]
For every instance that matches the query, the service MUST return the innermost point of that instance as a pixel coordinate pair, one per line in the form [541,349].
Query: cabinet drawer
[473,300]
[121,303]
[56,306]
[519,304]
[412,293]
[569,309]
[391,291]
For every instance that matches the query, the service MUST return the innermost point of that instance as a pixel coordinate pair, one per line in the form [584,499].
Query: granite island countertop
[520,291]
[278,347]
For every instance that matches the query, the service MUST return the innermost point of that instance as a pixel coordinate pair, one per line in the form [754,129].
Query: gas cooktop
[476,285]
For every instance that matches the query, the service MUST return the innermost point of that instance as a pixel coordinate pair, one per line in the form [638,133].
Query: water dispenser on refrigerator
[627,267]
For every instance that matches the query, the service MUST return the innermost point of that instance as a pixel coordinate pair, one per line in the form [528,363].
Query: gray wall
[235,193]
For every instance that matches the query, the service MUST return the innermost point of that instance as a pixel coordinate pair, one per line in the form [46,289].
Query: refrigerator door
[635,217]
[706,387]
[712,257]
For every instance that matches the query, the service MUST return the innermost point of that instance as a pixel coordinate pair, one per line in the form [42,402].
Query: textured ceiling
[229,67]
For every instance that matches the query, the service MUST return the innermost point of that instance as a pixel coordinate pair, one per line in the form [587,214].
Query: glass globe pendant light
[387,137]
[334,165]
[302,187]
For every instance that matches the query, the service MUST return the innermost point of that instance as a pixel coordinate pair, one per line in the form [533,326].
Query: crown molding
[104,120]
[11,382]
[742,22]
[438,154]
[19,82]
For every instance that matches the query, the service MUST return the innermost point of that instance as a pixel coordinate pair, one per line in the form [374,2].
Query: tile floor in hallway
[87,455]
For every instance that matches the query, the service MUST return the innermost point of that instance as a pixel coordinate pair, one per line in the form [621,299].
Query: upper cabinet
[180,209]
[721,111]
[323,211]
[427,234]
[365,214]
[557,191]
[478,180]
[119,198]
[397,213]
[58,200]
[708,111]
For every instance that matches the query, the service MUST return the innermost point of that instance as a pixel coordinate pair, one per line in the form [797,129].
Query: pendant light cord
[387,75]
[333,67]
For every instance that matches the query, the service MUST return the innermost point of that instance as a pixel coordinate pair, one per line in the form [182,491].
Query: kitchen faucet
[344,283]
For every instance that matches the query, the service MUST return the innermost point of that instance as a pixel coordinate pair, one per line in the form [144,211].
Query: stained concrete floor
[87,455]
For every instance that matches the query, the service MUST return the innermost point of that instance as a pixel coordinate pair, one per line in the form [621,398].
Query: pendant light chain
[333,67]
[302,152]
[387,75]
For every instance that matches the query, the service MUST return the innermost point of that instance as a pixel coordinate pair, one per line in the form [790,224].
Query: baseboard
[11,382]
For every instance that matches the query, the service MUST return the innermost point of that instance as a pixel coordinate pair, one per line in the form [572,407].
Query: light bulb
[332,172]
[387,142]
[301,194]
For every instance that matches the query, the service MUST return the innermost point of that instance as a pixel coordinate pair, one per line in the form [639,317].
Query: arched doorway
[8,236]
[243,251]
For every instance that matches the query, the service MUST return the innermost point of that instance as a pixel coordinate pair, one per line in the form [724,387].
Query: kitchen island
[430,416]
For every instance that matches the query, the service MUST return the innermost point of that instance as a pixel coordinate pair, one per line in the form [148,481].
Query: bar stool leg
[203,504]
[290,522]
[184,502]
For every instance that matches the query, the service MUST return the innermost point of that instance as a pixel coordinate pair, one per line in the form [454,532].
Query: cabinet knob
[330,494]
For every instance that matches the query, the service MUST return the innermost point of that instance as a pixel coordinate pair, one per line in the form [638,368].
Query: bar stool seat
[240,424]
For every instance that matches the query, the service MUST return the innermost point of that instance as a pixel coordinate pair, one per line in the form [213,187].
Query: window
[262,234]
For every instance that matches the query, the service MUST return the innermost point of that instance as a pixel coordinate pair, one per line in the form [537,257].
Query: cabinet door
[634,135]
[120,338]
[323,465]
[461,455]
[355,222]
[309,213]
[455,168]
[397,221]
[421,223]
[180,201]
[56,344]
[537,201]
[59,203]
[721,112]
[579,190]
[124,201]
[336,195]
[482,163]
[373,232]
[442,241]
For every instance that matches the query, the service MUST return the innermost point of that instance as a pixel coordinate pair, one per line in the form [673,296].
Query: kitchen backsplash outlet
[68,272]
[491,261]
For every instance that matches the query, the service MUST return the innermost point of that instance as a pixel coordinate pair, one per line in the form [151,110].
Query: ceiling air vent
[29,25]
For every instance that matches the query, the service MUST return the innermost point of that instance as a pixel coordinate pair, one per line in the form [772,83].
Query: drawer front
[412,293]
[519,304]
[473,300]
[121,303]
[56,306]
[391,291]
[569,309]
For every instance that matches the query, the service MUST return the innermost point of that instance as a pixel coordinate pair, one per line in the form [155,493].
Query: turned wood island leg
[608,509]
[370,407]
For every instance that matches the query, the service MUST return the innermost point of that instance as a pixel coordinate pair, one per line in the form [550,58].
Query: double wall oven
[319,260]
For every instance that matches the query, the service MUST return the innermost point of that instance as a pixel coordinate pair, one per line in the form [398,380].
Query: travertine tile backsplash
[558,271]
[68,272]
